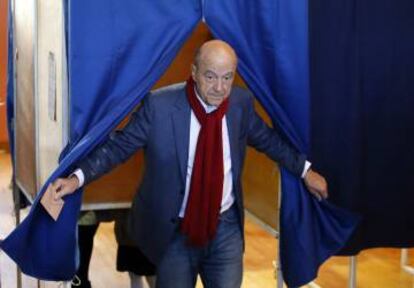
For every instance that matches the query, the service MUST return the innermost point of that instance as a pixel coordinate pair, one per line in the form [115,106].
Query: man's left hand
[316,184]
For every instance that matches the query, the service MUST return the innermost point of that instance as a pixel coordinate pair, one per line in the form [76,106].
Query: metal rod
[279,266]
[16,194]
[279,275]
[404,262]
[404,257]
[352,272]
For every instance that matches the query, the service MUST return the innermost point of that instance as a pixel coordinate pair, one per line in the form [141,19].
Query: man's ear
[193,72]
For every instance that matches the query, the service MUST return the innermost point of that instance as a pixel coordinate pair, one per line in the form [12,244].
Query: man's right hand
[64,186]
[316,184]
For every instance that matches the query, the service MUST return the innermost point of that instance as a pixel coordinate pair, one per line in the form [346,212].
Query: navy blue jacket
[161,127]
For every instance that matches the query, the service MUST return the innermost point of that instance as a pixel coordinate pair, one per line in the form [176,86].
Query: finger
[59,189]
[58,195]
[318,197]
[323,194]
[316,194]
[321,188]
[324,191]
[52,187]
[59,184]
[55,186]
[61,193]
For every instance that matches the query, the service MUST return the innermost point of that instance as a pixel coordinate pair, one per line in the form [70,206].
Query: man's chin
[215,103]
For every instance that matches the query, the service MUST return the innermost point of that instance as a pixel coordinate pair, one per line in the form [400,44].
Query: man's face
[214,74]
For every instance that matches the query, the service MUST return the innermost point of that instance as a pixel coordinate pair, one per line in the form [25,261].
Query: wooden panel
[180,69]
[49,117]
[261,178]
[25,121]
[261,183]
[119,186]
[3,73]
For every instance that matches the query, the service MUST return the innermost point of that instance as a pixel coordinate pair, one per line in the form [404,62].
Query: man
[187,216]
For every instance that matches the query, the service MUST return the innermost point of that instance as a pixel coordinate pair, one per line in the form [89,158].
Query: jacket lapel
[181,124]
[233,126]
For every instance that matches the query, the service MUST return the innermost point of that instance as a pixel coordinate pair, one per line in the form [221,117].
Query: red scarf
[206,187]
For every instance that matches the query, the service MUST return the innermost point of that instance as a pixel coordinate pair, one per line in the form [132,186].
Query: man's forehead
[217,64]
[217,56]
[218,71]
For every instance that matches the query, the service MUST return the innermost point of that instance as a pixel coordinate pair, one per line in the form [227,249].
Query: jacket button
[182,191]
[173,220]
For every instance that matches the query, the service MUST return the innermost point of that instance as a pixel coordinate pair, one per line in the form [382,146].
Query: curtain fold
[10,80]
[117,50]
[271,40]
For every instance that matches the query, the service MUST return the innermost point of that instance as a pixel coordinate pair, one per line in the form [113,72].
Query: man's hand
[316,184]
[64,186]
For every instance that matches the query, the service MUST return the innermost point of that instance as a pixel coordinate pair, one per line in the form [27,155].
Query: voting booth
[81,67]
[42,107]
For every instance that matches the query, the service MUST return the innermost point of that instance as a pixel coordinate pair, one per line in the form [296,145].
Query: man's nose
[218,86]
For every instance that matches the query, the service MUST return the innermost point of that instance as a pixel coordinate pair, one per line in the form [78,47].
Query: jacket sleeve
[120,145]
[268,141]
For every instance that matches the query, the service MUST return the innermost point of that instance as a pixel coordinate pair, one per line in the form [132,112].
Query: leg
[151,280]
[137,281]
[85,234]
[222,267]
[179,266]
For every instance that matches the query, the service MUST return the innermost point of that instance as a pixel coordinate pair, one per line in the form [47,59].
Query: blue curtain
[362,80]
[10,81]
[117,51]
[271,40]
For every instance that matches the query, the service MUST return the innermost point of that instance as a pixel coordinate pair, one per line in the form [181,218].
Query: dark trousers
[85,238]
[219,263]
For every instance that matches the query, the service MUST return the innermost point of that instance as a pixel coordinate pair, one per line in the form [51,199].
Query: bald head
[217,50]
[213,71]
